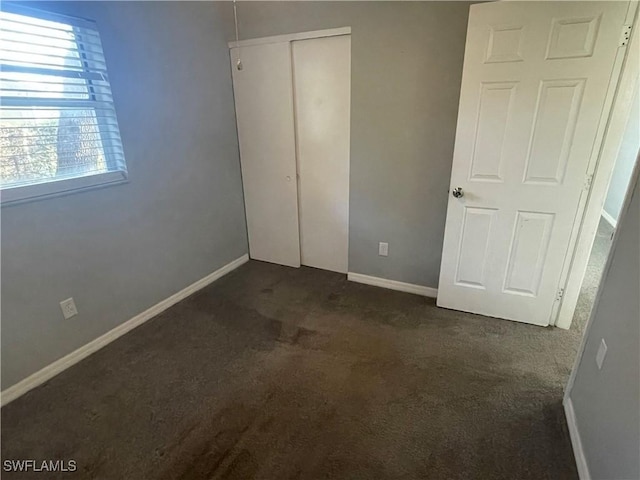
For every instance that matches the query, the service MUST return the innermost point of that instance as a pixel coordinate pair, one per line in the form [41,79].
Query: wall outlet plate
[602,352]
[383,249]
[68,307]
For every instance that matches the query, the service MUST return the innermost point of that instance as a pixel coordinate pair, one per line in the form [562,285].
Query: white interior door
[533,90]
[263,94]
[322,90]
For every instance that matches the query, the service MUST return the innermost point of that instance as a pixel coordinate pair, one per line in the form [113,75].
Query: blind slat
[13,78]
[55,72]
[68,94]
[21,57]
[102,126]
[87,43]
[51,66]
[62,54]
[106,124]
[18,102]
[28,38]
[81,152]
[86,152]
[101,133]
[19,45]
[77,90]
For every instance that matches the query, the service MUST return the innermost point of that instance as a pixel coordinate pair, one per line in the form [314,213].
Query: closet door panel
[322,90]
[263,92]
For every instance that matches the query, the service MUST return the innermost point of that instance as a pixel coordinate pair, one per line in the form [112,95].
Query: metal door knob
[457,192]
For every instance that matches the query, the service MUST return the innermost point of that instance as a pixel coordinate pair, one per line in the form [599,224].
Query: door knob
[288,178]
[457,192]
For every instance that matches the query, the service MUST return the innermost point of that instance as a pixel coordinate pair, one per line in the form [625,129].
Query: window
[58,127]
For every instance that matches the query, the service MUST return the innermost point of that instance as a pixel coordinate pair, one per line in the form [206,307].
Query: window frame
[52,187]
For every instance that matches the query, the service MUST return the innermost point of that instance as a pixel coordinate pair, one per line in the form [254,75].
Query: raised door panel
[555,117]
[474,245]
[573,37]
[505,44]
[494,111]
[528,252]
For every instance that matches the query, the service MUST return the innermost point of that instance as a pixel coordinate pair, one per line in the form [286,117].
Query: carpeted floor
[280,373]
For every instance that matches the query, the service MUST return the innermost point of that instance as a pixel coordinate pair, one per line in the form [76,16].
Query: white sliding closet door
[322,91]
[263,92]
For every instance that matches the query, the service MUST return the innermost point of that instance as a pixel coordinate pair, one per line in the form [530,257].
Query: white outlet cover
[68,307]
[602,352]
[383,249]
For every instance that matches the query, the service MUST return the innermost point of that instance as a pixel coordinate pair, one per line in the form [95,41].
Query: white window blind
[58,127]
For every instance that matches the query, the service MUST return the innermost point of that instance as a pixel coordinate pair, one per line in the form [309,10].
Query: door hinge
[587,181]
[560,294]
[624,35]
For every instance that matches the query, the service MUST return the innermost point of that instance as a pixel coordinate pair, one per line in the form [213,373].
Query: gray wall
[406,72]
[607,401]
[119,250]
[624,162]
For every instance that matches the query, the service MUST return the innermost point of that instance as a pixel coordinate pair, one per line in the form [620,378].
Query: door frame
[623,81]
[290,37]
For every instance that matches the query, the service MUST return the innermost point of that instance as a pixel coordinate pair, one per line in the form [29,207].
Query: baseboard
[393,285]
[610,220]
[576,442]
[53,369]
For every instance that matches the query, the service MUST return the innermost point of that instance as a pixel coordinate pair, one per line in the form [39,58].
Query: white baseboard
[610,220]
[576,442]
[393,285]
[53,369]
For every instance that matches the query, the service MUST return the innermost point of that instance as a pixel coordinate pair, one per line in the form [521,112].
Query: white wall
[624,162]
[119,250]
[606,402]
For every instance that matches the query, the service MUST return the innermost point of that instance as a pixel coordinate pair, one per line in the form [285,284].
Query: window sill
[27,193]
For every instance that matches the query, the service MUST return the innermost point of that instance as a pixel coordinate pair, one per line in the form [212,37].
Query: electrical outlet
[602,352]
[68,307]
[383,249]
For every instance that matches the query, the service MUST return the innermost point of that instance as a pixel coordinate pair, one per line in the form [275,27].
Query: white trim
[610,220]
[393,285]
[291,37]
[576,441]
[53,369]
[20,194]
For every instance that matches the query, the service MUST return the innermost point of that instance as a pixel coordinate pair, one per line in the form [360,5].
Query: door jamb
[609,139]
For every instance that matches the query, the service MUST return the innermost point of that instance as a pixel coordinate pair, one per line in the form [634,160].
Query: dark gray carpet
[279,373]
